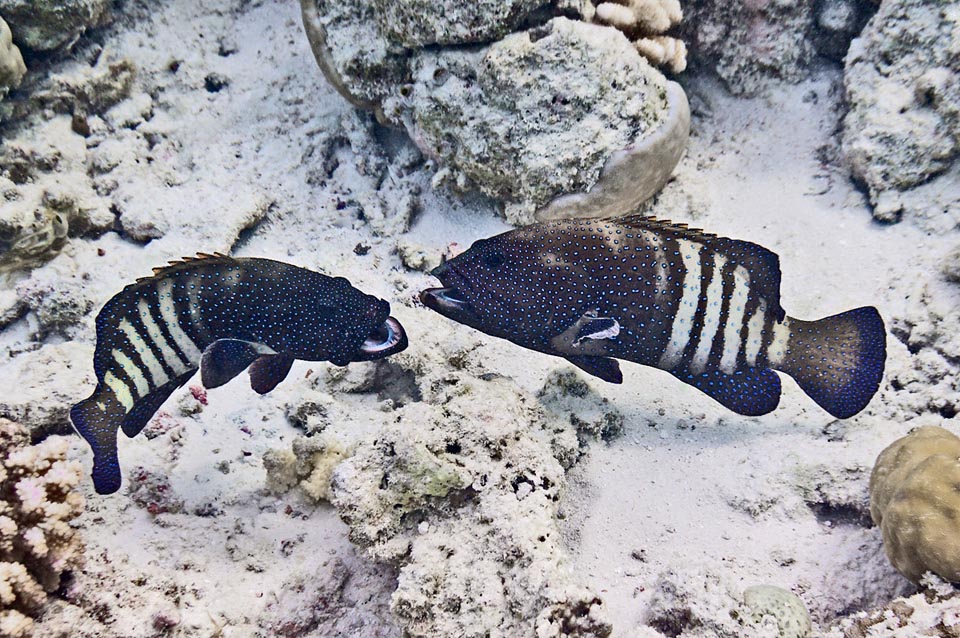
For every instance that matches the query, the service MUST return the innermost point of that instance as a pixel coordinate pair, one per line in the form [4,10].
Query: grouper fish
[222,315]
[704,308]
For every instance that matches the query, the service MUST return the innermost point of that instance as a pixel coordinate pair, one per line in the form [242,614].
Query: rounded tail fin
[838,361]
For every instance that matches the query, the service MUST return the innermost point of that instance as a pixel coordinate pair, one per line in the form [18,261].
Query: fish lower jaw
[440,299]
[387,339]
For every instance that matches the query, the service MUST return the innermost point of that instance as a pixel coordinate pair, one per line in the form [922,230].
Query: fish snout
[386,339]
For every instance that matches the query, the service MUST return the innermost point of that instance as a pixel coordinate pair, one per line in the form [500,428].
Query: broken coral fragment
[914,501]
[12,67]
[766,604]
[645,22]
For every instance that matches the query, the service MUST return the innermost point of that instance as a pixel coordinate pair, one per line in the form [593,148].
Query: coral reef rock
[915,502]
[464,500]
[12,67]
[778,607]
[902,82]
[43,25]
[38,500]
[751,44]
[310,464]
[535,115]
[935,611]
[560,106]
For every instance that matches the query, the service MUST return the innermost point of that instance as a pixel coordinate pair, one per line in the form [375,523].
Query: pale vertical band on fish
[682,324]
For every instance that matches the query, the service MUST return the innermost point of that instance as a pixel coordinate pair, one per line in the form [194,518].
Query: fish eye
[493,259]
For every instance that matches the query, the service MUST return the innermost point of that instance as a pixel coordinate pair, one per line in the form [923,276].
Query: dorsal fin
[186,262]
[762,264]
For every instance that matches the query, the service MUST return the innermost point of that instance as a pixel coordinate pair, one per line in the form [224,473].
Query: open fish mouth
[441,299]
[388,338]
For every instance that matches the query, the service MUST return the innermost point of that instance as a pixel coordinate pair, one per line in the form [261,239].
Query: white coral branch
[662,50]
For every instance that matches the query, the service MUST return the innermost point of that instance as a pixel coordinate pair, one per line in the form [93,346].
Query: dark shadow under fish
[704,308]
[223,315]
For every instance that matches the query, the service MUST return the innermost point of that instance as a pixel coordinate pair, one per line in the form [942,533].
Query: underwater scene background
[465,486]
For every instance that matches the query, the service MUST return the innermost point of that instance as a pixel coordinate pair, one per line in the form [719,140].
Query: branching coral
[647,21]
[37,544]
[915,501]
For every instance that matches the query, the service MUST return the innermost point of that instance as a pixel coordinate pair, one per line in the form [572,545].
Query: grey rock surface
[44,25]
[903,86]
[532,116]
[415,23]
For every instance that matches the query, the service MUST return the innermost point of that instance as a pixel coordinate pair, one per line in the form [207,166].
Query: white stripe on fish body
[778,345]
[711,316]
[120,390]
[734,323]
[687,308]
[170,356]
[169,315]
[193,302]
[154,368]
[755,333]
[133,371]
[657,251]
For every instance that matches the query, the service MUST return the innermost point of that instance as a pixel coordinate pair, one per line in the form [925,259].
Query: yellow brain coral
[38,499]
[915,500]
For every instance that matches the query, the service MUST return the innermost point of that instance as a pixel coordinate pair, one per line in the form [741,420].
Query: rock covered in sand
[902,82]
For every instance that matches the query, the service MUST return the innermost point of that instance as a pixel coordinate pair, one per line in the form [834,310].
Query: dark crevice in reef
[841,514]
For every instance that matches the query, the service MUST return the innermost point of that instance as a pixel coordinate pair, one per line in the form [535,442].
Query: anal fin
[602,367]
[144,409]
[226,358]
[269,370]
[749,391]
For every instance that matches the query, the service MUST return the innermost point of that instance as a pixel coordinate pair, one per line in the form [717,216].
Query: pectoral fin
[597,328]
[226,358]
[269,370]
[603,367]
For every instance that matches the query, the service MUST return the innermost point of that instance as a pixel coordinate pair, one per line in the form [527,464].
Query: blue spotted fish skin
[152,336]
[704,308]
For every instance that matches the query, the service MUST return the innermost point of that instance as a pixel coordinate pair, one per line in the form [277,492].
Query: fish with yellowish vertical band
[702,307]
[222,315]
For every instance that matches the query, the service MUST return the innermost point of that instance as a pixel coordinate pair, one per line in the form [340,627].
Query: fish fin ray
[838,361]
[144,409]
[177,265]
[762,264]
[224,359]
[749,391]
[603,367]
[268,370]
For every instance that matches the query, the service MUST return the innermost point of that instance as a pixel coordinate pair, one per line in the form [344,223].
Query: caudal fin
[97,419]
[838,361]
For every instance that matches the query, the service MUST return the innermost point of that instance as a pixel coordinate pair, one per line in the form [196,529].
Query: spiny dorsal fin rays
[176,264]
[647,222]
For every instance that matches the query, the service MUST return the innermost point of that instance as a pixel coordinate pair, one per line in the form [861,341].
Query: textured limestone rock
[464,500]
[914,501]
[43,25]
[535,115]
[38,499]
[902,82]
[557,107]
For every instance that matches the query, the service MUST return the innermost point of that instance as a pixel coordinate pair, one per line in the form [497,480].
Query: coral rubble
[38,500]
[915,502]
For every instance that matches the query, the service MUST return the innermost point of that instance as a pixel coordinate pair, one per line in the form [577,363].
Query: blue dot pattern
[705,308]
[151,335]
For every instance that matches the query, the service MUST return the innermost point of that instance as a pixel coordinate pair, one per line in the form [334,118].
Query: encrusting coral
[38,499]
[915,502]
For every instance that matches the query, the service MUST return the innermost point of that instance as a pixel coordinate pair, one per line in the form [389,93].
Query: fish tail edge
[91,423]
[838,361]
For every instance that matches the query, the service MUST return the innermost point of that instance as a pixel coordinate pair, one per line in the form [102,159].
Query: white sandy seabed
[689,498]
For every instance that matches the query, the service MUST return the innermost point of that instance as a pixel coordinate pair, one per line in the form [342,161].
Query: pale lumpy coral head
[915,499]
[536,114]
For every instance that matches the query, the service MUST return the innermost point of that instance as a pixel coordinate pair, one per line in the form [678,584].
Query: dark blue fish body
[222,315]
[705,308]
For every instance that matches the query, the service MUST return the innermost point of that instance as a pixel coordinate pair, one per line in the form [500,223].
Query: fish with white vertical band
[221,315]
[702,307]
